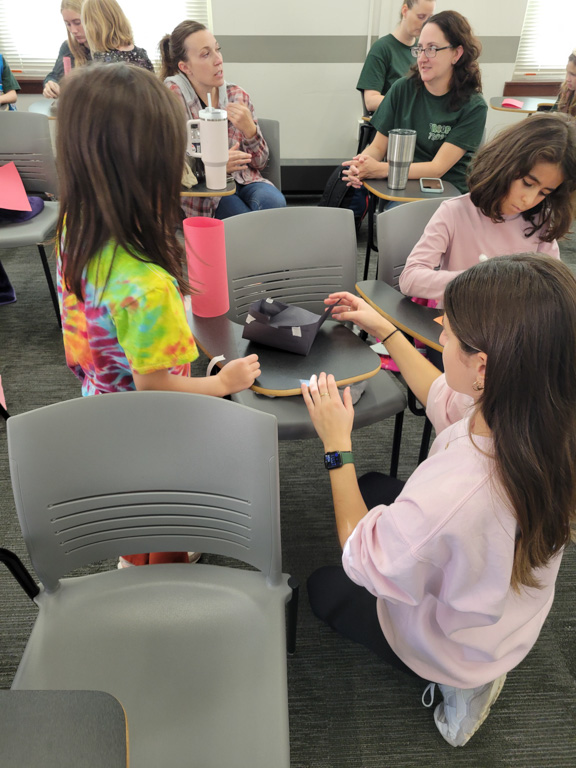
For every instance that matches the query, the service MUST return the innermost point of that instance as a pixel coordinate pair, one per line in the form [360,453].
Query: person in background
[566,101]
[193,67]
[450,576]
[9,86]
[109,34]
[120,263]
[521,186]
[75,48]
[390,57]
[440,99]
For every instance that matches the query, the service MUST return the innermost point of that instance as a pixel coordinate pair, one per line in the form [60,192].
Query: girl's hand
[331,415]
[51,90]
[238,374]
[237,160]
[350,308]
[241,118]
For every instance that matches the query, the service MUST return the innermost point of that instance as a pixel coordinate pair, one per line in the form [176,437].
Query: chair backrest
[98,477]
[25,140]
[296,255]
[397,232]
[271,132]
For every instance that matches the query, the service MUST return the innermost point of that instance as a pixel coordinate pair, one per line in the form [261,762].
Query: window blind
[32,32]
[547,40]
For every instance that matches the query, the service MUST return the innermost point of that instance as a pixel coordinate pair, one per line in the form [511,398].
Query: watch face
[332,460]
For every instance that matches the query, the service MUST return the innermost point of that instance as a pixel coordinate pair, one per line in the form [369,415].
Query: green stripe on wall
[332,49]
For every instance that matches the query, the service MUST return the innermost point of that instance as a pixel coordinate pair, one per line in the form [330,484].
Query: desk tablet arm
[20,572]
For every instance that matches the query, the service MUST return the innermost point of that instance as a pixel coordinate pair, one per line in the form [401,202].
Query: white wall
[317,104]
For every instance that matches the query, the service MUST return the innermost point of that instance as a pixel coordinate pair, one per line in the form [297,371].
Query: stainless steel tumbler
[401,146]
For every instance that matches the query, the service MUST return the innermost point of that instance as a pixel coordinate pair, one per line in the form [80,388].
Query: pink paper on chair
[206,257]
[12,192]
[514,103]
[2,398]
[67,64]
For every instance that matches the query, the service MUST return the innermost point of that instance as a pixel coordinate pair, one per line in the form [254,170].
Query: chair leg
[425,443]
[369,244]
[292,616]
[4,413]
[395,458]
[50,282]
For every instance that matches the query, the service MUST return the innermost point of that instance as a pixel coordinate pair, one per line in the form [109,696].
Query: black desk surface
[335,350]
[62,729]
[201,190]
[414,319]
[411,193]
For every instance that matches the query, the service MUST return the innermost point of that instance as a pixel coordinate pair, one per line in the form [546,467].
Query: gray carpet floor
[347,708]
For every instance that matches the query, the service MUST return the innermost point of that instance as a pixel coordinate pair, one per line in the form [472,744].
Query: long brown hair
[466,78]
[120,177]
[105,25]
[511,155]
[173,47]
[566,100]
[79,51]
[521,311]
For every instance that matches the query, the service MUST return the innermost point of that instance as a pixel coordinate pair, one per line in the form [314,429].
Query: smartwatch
[337,459]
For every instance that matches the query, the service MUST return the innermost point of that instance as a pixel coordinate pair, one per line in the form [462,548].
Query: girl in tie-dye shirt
[120,272]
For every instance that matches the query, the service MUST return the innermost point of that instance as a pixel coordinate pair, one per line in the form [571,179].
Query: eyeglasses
[429,52]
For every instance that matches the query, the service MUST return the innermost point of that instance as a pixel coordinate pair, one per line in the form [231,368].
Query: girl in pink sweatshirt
[451,577]
[519,200]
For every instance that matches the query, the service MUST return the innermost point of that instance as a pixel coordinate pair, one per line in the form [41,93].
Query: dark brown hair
[521,312]
[173,49]
[466,78]
[511,155]
[566,100]
[120,174]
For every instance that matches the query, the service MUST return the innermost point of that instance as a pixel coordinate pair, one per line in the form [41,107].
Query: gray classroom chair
[299,256]
[25,141]
[196,654]
[271,132]
[398,230]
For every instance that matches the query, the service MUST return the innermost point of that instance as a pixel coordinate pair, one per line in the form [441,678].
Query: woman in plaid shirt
[192,67]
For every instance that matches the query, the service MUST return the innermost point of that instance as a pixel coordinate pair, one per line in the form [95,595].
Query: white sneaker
[464,710]
[193,557]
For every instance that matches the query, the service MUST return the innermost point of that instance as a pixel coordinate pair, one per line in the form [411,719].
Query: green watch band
[337,459]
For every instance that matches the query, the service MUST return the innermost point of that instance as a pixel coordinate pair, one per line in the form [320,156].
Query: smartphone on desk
[431,185]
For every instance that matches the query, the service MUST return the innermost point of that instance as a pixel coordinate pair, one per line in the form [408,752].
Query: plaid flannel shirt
[257,147]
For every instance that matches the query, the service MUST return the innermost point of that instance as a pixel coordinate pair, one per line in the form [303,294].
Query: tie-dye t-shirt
[132,319]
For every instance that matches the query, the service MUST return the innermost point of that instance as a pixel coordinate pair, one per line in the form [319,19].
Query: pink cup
[206,257]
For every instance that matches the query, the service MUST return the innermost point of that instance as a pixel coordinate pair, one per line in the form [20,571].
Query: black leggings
[346,607]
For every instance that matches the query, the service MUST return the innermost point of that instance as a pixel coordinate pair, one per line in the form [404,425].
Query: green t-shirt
[9,82]
[387,61]
[407,106]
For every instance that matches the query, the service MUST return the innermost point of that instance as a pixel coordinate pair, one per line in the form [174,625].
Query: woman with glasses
[440,99]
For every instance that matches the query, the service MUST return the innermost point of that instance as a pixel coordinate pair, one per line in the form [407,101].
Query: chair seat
[382,398]
[150,636]
[30,232]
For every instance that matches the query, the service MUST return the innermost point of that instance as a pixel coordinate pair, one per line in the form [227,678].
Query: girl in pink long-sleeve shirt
[519,200]
[452,576]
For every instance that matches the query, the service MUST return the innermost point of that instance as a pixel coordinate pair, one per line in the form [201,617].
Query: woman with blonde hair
[109,34]
[75,48]
[566,101]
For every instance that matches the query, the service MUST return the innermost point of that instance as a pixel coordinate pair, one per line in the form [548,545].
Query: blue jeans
[250,197]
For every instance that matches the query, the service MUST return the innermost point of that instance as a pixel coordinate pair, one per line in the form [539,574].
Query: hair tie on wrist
[390,334]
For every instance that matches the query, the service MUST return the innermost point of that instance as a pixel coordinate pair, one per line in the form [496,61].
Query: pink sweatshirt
[439,561]
[456,235]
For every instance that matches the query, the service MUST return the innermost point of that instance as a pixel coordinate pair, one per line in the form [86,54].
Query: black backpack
[337,195]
